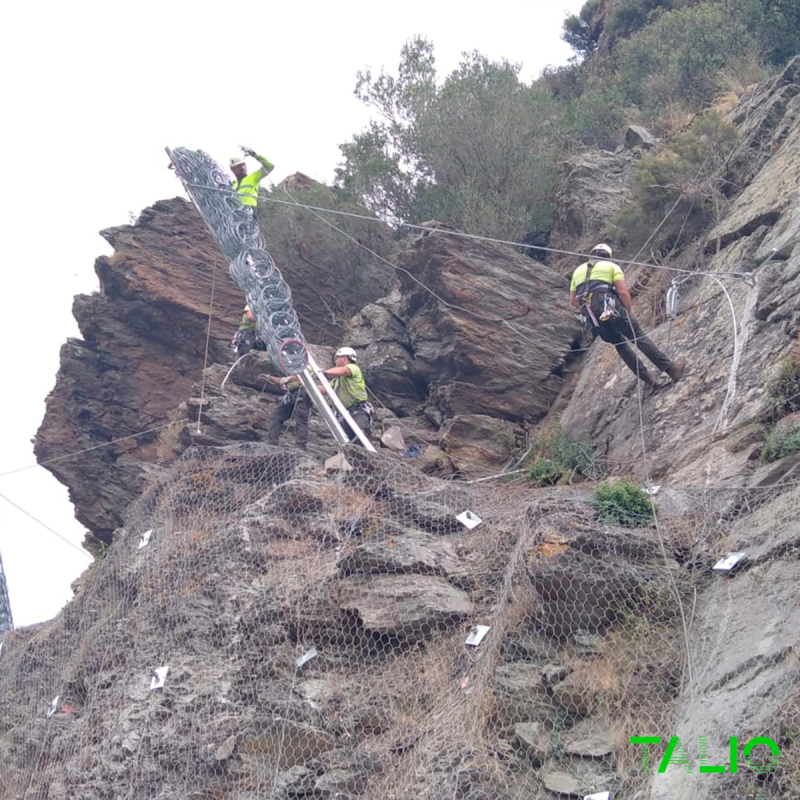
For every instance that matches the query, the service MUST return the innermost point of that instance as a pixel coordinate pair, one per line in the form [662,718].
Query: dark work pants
[361,418]
[624,329]
[299,407]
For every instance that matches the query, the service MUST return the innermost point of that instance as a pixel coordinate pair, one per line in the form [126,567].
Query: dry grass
[166,445]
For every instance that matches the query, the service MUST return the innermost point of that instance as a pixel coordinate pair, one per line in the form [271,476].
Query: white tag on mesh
[599,796]
[53,707]
[476,635]
[307,656]
[469,519]
[729,562]
[144,539]
[159,678]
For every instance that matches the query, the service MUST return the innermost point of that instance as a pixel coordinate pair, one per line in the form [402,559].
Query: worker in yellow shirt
[598,290]
[246,185]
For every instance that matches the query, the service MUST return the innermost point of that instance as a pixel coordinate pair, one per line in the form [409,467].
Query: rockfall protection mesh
[314,628]
[6,620]
[235,229]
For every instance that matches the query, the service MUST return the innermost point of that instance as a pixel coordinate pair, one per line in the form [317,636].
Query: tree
[477,151]
[579,30]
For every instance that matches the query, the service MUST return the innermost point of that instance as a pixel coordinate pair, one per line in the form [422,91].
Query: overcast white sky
[91,94]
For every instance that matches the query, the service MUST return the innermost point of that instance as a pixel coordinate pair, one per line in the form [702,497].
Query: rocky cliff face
[314,621]
[143,346]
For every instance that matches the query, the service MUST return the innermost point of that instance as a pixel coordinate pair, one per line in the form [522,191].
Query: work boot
[646,378]
[677,369]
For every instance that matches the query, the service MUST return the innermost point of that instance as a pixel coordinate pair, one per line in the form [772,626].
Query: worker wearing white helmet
[246,186]
[598,290]
[347,381]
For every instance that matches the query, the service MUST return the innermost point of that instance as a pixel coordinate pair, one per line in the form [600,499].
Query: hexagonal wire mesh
[314,627]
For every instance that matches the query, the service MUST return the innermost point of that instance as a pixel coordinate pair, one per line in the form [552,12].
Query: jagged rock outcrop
[143,346]
[592,185]
[489,328]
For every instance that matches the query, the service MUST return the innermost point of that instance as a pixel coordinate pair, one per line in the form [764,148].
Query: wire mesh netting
[235,229]
[264,627]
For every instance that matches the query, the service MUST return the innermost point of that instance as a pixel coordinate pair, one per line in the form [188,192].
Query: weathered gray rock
[746,633]
[478,444]
[589,738]
[587,575]
[385,355]
[534,740]
[407,552]
[405,606]
[433,461]
[592,186]
[520,694]
[637,137]
[577,777]
[574,696]
[464,349]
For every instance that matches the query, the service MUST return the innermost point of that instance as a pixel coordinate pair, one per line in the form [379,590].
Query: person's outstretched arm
[266,165]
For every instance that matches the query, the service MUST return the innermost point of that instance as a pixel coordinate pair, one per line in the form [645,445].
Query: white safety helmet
[237,160]
[601,250]
[346,351]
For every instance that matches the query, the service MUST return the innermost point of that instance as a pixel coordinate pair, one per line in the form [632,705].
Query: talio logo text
[676,754]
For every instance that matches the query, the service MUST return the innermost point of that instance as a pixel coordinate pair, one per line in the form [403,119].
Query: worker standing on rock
[246,186]
[347,381]
[296,404]
[246,338]
[599,292]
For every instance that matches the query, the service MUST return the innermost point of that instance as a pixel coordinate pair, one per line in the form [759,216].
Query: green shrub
[783,390]
[686,179]
[544,472]
[622,503]
[780,444]
[678,54]
[555,457]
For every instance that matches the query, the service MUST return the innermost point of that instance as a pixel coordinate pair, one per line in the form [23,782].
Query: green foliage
[774,25]
[597,115]
[556,458]
[780,444]
[579,32]
[681,184]
[783,390]
[630,16]
[477,151]
[622,503]
[678,54]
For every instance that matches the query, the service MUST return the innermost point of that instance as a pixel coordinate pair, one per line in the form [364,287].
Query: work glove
[248,151]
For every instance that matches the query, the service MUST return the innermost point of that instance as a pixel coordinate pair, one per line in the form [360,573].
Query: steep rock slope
[143,345]
[685,430]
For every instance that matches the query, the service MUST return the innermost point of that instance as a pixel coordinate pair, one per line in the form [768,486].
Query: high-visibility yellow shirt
[245,324]
[247,187]
[351,389]
[604,271]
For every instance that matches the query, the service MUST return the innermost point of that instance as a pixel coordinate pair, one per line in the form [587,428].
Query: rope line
[745,276]
[46,527]
[208,340]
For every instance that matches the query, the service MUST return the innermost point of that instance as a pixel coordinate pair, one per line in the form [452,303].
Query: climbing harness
[586,292]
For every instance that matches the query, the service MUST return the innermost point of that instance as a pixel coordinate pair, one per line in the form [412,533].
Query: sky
[92,92]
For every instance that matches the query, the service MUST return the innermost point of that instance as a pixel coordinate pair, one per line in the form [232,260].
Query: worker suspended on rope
[599,292]
[246,338]
[296,404]
[347,381]
[246,186]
